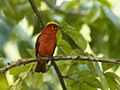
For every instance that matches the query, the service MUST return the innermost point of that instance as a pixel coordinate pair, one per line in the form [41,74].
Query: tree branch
[39,14]
[53,7]
[59,75]
[59,10]
[57,58]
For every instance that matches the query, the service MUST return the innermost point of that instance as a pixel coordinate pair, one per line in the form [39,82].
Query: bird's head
[51,27]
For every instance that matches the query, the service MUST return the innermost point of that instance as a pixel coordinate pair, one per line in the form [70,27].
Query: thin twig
[59,75]
[69,75]
[57,58]
[53,7]
[38,13]
[59,10]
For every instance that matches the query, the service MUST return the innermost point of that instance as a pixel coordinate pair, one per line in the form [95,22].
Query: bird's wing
[37,46]
[54,49]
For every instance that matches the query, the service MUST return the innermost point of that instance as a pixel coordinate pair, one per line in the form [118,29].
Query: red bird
[45,44]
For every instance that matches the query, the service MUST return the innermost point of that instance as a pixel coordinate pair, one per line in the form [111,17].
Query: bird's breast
[47,45]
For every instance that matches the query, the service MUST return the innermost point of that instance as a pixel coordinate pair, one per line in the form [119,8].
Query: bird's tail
[41,67]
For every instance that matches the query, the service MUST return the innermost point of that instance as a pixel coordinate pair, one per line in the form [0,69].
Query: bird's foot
[50,57]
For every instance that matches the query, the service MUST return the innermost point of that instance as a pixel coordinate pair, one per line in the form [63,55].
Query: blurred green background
[91,27]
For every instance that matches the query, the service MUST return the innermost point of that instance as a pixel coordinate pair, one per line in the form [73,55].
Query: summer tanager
[45,44]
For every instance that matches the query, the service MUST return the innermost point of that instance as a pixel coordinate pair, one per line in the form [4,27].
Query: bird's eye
[54,27]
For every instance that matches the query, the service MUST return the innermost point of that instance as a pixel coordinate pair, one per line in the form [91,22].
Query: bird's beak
[59,28]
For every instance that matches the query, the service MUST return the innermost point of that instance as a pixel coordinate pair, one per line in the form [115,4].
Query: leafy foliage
[20,26]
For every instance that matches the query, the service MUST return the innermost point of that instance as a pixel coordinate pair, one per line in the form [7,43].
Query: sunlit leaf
[17,70]
[83,74]
[104,82]
[85,86]
[107,66]
[69,81]
[111,83]
[112,17]
[23,46]
[94,12]
[63,67]
[4,83]
[76,52]
[75,86]
[91,80]
[5,31]
[65,47]
[73,68]
[36,79]
[59,36]
[113,76]
[104,2]
[78,39]
[37,28]
[31,52]
[52,1]
[18,83]
[70,5]
[94,68]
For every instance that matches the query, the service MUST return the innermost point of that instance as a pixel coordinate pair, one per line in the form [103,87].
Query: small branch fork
[58,58]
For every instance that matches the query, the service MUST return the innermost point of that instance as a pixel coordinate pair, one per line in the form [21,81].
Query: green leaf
[94,69]
[76,52]
[23,46]
[3,82]
[17,70]
[59,36]
[111,83]
[113,76]
[104,82]
[94,12]
[104,2]
[113,80]
[65,47]
[85,86]
[37,28]
[78,39]
[13,36]
[52,1]
[106,66]
[112,17]
[91,80]
[50,71]
[5,31]
[11,12]
[1,62]
[118,86]
[63,66]
[74,67]
[31,52]
[70,5]
[83,67]
[66,26]
[18,83]
[36,79]
[83,74]
[69,81]
[76,86]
